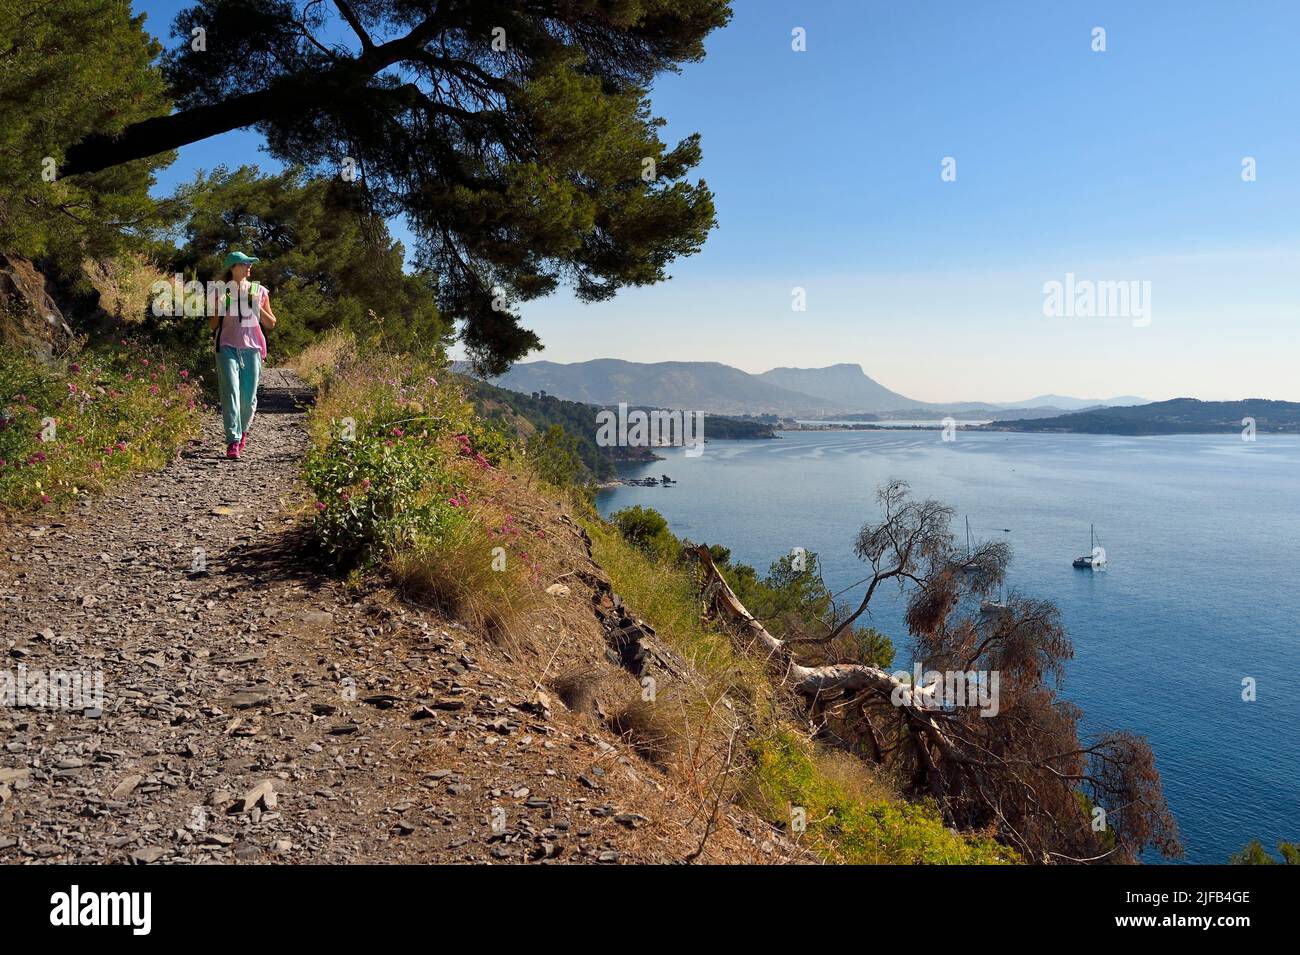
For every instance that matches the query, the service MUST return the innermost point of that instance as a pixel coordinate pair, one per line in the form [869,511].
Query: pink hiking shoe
[233,450]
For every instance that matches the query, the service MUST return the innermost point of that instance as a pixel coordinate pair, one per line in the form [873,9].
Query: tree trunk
[832,680]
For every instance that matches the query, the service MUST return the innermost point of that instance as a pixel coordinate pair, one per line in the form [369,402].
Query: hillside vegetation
[410,485]
[537,413]
[1177,416]
[87,420]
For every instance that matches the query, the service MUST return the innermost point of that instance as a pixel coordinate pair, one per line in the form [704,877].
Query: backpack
[255,294]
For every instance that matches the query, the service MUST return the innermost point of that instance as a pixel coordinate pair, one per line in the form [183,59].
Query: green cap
[237,258]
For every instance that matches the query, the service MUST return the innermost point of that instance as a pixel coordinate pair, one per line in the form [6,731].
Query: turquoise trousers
[238,372]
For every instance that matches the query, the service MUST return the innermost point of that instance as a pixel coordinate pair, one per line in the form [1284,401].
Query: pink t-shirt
[240,331]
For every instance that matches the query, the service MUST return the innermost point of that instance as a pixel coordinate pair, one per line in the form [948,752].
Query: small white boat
[990,608]
[1096,556]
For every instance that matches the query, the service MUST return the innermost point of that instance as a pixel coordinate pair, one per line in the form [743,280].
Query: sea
[1197,605]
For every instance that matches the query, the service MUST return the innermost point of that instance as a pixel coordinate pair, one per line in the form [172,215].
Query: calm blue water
[1202,534]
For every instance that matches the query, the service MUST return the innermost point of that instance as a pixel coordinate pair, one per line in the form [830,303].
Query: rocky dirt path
[257,710]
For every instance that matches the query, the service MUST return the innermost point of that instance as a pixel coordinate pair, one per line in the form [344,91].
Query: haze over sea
[1202,536]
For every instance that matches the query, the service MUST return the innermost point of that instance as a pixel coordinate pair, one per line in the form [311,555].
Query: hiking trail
[257,710]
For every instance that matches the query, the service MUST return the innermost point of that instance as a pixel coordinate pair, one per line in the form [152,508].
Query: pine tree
[69,71]
[328,264]
[515,135]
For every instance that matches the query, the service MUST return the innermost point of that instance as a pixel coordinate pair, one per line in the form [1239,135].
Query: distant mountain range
[1177,416]
[846,386]
[1076,404]
[721,389]
[687,385]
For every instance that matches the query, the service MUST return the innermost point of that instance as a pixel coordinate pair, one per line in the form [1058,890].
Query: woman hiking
[241,347]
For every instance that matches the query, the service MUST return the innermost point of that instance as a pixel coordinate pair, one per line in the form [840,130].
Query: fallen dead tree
[818,682]
[1009,759]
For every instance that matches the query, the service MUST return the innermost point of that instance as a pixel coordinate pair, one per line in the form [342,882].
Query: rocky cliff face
[30,318]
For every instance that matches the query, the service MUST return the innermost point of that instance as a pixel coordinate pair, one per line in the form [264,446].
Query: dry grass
[316,363]
[667,596]
[455,575]
[124,283]
[701,728]
[577,689]
[660,730]
[852,776]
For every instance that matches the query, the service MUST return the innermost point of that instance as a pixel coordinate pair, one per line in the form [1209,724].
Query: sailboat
[969,566]
[1093,559]
[990,607]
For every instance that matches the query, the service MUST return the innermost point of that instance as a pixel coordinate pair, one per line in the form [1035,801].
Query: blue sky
[1123,165]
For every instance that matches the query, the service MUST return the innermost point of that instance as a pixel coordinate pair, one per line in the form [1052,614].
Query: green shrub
[849,826]
[1254,853]
[647,530]
[553,454]
[394,453]
[380,461]
[405,480]
[492,440]
[379,491]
